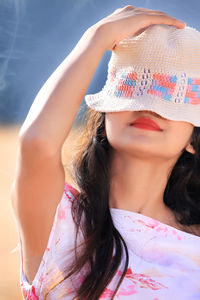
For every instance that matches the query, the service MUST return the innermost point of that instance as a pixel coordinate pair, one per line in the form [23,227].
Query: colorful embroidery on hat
[163,86]
[192,95]
[112,75]
[126,85]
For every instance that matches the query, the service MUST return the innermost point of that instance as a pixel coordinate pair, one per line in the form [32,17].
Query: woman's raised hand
[61,95]
[129,21]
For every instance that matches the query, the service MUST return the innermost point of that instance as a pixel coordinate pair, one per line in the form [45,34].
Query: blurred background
[35,36]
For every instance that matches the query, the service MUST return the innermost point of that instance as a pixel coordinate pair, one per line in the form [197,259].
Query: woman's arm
[53,111]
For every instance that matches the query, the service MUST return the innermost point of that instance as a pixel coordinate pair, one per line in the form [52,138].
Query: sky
[35,37]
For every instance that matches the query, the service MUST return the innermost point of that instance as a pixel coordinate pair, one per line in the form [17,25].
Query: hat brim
[167,109]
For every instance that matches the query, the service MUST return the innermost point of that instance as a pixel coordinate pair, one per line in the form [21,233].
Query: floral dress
[164,262]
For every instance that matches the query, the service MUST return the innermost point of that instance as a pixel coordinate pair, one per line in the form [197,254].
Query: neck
[138,185]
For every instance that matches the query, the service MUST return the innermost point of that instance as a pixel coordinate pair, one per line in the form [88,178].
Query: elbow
[34,144]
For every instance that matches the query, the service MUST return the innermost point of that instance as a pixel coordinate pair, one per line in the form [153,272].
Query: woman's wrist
[95,36]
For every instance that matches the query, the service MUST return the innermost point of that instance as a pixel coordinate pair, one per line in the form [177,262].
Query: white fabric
[157,70]
[164,262]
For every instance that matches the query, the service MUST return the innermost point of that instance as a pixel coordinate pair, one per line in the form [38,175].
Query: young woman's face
[168,143]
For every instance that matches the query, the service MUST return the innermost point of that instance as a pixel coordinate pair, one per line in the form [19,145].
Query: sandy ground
[9,259]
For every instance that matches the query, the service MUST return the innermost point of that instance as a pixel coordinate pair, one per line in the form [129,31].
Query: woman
[125,201]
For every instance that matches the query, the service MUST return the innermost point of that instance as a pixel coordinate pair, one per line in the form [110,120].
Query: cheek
[173,145]
[178,138]
[117,134]
[112,131]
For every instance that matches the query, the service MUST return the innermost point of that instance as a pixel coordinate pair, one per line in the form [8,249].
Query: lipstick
[146,123]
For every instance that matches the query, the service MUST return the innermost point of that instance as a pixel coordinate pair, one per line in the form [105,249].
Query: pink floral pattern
[33,295]
[163,261]
[142,280]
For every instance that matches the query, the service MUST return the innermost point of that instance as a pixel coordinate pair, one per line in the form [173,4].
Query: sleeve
[60,240]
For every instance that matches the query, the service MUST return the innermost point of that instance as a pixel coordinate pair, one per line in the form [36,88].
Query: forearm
[53,111]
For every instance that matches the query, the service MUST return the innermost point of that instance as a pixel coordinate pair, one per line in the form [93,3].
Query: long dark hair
[91,172]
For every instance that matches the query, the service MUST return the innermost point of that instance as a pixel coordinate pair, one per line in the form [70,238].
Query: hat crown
[162,48]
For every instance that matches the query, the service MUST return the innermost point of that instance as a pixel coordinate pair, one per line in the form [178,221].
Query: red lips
[146,121]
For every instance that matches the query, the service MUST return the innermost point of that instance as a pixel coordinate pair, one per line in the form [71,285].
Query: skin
[59,99]
[142,160]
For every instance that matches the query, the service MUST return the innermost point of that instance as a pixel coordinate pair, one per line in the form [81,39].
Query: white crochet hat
[157,70]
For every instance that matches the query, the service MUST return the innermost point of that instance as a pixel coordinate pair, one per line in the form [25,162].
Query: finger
[163,19]
[148,10]
[140,10]
[156,12]
[174,20]
[165,14]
